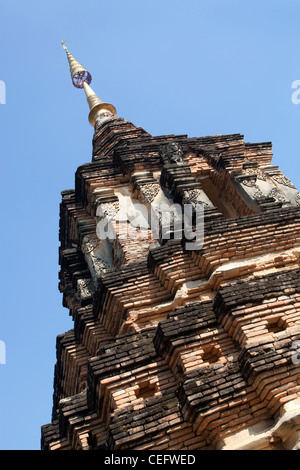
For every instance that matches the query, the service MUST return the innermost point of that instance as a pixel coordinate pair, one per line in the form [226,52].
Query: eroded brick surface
[174,348]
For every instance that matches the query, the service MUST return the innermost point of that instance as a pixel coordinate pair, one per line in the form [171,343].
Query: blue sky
[172,67]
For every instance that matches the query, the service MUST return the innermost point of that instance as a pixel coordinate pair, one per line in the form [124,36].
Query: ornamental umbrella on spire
[79,74]
[81,78]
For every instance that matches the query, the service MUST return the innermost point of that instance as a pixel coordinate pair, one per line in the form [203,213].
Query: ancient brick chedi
[176,348]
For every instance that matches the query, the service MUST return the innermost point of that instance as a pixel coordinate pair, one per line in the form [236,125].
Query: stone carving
[85,288]
[258,193]
[277,195]
[249,182]
[91,247]
[172,153]
[297,199]
[148,192]
[108,209]
[89,243]
[101,266]
[256,171]
[193,197]
[281,179]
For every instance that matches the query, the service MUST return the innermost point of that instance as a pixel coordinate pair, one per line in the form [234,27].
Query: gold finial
[79,74]
[81,78]
[63,45]
[95,104]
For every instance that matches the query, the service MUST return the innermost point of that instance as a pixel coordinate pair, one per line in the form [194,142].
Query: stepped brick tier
[175,348]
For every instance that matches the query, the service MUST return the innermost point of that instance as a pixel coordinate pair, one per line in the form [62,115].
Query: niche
[275,325]
[211,354]
[146,389]
[217,198]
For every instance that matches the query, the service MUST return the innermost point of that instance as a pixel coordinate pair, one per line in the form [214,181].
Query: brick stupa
[175,348]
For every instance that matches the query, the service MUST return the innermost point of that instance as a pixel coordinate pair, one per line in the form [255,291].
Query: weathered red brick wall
[174,348]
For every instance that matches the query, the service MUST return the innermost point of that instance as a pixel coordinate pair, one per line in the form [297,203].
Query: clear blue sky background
[172,67]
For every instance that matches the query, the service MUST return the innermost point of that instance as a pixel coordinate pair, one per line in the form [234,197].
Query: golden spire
[95,104]
[79,74]
[81,78]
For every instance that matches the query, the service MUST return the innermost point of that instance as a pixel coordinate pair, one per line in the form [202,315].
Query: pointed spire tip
[79,74]
[63,45]
[81,78]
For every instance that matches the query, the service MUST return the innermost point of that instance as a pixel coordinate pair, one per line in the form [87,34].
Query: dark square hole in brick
[211,354]
[145,389]
[276,325]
